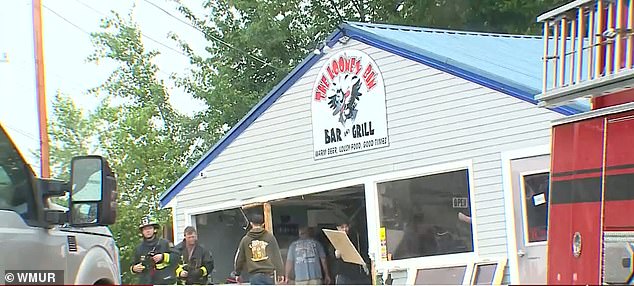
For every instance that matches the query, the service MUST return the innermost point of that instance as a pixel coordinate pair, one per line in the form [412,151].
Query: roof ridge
[408,28]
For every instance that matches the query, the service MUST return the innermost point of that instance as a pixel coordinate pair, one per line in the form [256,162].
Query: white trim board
[511,239]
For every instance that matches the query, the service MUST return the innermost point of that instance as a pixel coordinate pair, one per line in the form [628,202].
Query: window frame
[372,212]
[454,259]
[412,272]
[470,270]
[498,276]
[523,206]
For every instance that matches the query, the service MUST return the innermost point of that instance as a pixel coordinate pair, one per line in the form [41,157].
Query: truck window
[16,192]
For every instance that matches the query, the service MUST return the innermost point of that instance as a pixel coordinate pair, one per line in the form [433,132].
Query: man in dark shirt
[196,261]
[347,273]
[259,254]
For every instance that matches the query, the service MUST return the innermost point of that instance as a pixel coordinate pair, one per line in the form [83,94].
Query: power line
[164,45]
[337,10]
[65,20]
[90,7]
[213,37]
[88,33]
[22,132]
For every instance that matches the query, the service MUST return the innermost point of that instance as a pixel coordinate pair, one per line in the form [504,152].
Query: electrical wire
[65,20]
[214,37]
[143,34]
[22,132]
[89,34]
[334,6]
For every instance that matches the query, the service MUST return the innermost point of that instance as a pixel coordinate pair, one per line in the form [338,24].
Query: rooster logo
[344,101]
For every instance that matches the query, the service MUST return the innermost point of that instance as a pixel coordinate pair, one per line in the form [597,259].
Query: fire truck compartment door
[618,256]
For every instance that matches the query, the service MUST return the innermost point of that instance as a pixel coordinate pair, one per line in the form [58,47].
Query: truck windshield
[16,190]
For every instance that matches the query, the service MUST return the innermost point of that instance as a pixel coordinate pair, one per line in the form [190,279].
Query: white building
[397,129]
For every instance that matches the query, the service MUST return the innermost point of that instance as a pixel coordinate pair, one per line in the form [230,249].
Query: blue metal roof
[512,59]
[510,64]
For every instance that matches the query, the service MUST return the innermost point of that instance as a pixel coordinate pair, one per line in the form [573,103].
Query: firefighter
[155,259]
[196,261]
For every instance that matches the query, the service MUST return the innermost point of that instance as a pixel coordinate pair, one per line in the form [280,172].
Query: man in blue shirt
[307,259]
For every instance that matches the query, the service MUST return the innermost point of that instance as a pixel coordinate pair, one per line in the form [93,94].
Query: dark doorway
[323,211]
[221,232]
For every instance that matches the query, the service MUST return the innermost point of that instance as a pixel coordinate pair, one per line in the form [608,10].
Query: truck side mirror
[93,192]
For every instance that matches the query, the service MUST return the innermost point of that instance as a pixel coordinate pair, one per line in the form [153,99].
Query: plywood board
[341,242]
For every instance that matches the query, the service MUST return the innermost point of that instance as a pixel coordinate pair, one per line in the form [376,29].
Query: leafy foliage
[134,127]
[254,44]
[70,134]
[139,131]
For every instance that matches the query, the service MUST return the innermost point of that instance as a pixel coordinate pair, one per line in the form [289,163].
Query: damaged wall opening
[324,210]
[221,232]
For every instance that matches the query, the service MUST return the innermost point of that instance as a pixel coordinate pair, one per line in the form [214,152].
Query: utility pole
[40,88]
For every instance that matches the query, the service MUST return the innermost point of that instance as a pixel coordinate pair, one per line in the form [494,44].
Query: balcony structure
[588,50]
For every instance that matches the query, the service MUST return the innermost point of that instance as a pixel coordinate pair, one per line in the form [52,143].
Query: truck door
[24,243]
[619,200]
[576,203]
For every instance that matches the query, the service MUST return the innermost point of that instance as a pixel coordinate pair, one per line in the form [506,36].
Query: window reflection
[441,276]
[428,215]
[484,274]
[84,213]
[536,206]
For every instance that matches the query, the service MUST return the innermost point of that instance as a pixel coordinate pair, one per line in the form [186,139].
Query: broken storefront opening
[420,217]
[222,230]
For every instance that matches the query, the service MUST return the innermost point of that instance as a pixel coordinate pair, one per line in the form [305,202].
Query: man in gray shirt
[307,258]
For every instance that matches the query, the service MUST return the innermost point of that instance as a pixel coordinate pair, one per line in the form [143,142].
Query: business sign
[348,106]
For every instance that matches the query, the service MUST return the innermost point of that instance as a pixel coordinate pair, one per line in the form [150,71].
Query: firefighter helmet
[147,221]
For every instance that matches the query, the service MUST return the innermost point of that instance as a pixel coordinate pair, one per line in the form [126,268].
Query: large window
[428,215]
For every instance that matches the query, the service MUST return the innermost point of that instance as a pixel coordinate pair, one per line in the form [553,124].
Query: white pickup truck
[36,234]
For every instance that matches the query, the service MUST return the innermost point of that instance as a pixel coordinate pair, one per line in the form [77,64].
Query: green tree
[139,131]
[254,44]
[134,127]
[71,132]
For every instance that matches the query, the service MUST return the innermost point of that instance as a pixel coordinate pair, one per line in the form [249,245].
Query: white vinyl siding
[433,118]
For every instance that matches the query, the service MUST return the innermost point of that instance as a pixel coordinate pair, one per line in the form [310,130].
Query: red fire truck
[588,50]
